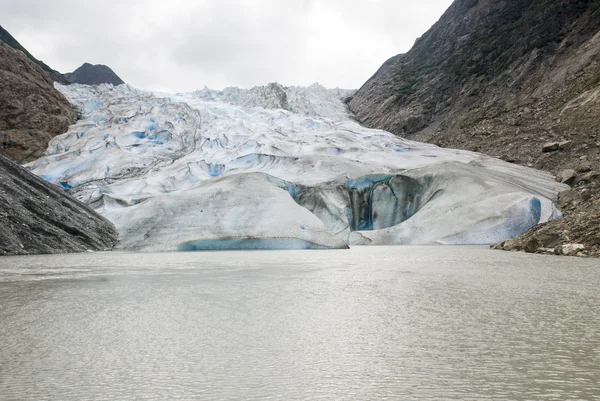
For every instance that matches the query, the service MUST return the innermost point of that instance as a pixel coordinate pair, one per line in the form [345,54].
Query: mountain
[39,218]
[278,167]
[89,74]
[518,80]
[32,111]
[12,42]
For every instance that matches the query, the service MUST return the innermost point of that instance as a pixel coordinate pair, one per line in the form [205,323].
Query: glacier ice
[277,167]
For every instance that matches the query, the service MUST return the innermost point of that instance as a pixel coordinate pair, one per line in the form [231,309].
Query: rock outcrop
[32,111]
[518,80]
[36,217]
[89,74]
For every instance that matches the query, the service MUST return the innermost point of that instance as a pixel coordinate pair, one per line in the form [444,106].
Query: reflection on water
[398,323]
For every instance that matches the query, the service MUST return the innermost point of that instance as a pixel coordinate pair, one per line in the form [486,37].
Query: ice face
[276,167]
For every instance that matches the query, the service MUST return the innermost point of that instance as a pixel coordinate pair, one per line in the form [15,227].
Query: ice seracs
[278,167]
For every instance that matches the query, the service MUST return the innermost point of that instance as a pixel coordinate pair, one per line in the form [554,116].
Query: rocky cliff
[36,217]
[32,111]
[89,74]
[519,80]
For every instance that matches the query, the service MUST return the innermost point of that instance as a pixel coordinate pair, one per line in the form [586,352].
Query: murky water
[398,323]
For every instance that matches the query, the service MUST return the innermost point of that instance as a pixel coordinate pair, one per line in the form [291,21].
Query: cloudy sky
[182,45]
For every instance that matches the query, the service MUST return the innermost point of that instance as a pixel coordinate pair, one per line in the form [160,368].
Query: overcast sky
[183,45]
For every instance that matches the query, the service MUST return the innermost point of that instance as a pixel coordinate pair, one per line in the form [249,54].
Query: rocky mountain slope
[36,217]
[32,111]
[89,74]
[7,38]
[518,80]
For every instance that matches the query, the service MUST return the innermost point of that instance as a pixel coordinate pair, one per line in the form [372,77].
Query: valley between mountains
[485,132]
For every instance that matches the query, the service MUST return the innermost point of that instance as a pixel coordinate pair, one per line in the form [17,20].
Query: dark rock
[36,217]
[540,243]
[588,177]
[532,246]
[89,74]
[592,238]
[550,147]
[32,112]
[566,176]
[498,245]
[548,240]
[564,145]
[568,198]
[12,42]
[508,159]
[584,167]
[512,245]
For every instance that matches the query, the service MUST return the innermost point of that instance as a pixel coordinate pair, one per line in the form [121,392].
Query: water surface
[397,323]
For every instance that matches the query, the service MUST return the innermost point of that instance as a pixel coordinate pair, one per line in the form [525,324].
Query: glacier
[276,167]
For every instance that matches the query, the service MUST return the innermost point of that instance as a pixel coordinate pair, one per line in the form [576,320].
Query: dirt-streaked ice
[277,167]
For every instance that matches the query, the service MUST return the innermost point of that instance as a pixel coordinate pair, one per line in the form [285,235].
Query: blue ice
[367,181]
[246,243]
[291,188]
[65,186]
[90,106]
[161,136]
[522,217]
[215,170]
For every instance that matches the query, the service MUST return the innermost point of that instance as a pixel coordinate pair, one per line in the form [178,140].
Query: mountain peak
[89,74]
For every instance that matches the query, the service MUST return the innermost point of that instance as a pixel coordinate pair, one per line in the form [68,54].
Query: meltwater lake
[369,323]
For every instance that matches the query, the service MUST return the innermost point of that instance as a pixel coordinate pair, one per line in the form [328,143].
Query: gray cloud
[182,45]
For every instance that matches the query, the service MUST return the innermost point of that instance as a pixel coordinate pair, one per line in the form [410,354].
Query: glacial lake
[369,323]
